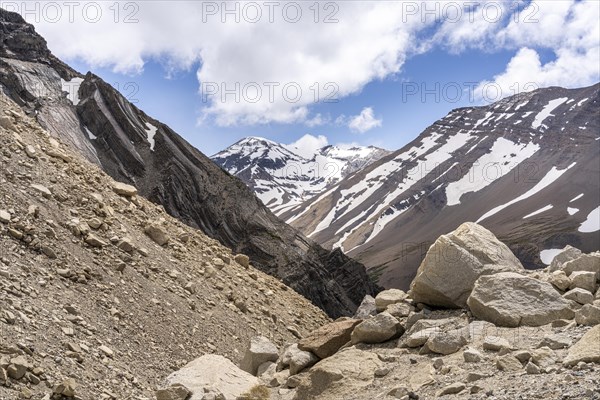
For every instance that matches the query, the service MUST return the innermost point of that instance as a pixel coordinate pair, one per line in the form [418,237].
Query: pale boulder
[455,261]
[259,351]
[588,315]
[510,299]
[377,329]
[328,339]
[587,349]
[212,371]
[583,280]
[388,297]
[585,262]
[568,253]
[580,296]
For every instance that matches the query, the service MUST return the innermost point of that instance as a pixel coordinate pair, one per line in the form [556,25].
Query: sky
[316,73]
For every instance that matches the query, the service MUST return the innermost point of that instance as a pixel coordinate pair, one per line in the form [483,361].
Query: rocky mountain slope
[93,118]
[526,167]
[102,293]
[283,179]
[518,334]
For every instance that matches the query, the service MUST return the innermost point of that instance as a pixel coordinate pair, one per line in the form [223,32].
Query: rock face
[215,372]
[455,261]
[510,299]
[214,201]
[328,339]
[587,349]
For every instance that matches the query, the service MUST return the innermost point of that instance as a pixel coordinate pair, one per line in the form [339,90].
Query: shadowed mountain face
[95,119]
[527,168]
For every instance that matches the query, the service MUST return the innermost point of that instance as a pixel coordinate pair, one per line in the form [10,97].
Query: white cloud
[308,145]
[370,41]
[364,121]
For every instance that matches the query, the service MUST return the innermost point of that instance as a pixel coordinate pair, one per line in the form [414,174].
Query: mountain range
[282,178]
[526,167]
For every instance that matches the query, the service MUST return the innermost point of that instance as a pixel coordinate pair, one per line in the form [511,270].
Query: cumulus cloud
[308,145]
[365,121]
[276,69]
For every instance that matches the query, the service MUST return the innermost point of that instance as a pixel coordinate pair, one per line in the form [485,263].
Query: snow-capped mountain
[284,179]
[527,168]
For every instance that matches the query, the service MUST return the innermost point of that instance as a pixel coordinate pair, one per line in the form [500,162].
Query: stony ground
[88,298]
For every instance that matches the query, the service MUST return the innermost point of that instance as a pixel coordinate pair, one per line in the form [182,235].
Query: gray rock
[156,232]
[532,369]
[296,359]
[124,189]
[377,329]
[510,299]
[454,388]
[585,262]
[508,362]
[556,341]
[388,297]
[560,280]
[448,342]
[584,280]
[568,253]
[579,295]
[495,343]
[544,357]
[472,356]
[258,352]
[400,310]
[586,349]
[4,216]
[367,308]
[589,314]
[328,339]
[174,392]
[43,190]
[455,261]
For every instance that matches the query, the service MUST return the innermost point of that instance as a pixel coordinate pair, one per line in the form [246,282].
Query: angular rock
[328,339]
[124,189]
[377,329]
[259,352]
[583,279]
[555,342]
[588,315]
[340,376]
[579,295]
[174,392]
[495,343]
[95,241]
[67,388]
[400,310]
[568,253]
[508,363]
[243,260]
[532,369]
[455,261]
[454,388]
[366,309]
[296,359]
[585,262]
[510,299]
[544,357]
[45,192]
[4,216]
[214,372]
[157,233]
[560,280]
[388,297]
[472,356]
[586,349]
[448,342]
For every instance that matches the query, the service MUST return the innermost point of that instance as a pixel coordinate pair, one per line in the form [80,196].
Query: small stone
[523,356]
[45,192]
[508,363]
[124,189]
[174,392]
[495,343]
[4,216]
[556,342]
[475,376]
[30,151]
[157,233]
[67,388]
[472,356]
[106,350]
[218,263]
[243,260]
[532,369]
[94,223]
[454,388]
[95,241]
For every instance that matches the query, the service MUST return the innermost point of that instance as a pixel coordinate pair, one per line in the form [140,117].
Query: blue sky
[372,55]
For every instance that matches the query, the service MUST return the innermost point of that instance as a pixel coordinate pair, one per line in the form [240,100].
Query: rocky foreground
[102,294]
[505,333]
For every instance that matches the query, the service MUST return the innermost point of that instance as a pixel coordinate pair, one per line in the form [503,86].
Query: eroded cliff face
[97,121]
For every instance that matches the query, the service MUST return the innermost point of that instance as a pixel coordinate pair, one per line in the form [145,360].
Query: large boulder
[588,315]
[510,299]
[260,351]
[587,349]
[448,342]
[377,329]
[328,339]
[214,372]
[340,376]
[454,262]
[296,359]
